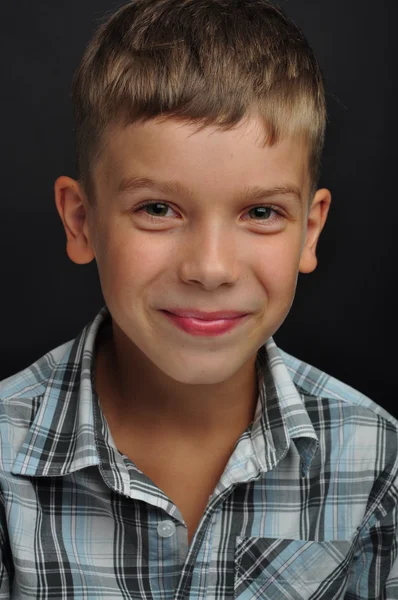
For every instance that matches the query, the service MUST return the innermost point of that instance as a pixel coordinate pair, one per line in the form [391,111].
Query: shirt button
[166,529]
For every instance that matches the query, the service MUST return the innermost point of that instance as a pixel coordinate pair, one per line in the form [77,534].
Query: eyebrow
[132,184]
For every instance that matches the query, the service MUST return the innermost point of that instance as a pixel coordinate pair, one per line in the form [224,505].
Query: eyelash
[157,219]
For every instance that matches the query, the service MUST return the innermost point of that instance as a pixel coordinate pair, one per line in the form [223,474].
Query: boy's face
[212,251]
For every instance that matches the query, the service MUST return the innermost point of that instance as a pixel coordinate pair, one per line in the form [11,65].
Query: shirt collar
[281,415]
[63,436]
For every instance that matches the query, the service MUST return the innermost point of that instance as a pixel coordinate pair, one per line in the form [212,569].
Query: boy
[171,450]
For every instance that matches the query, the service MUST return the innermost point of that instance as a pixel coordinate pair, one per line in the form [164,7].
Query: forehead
[200,161]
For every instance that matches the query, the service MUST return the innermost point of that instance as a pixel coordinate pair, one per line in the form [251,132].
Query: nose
[210,258]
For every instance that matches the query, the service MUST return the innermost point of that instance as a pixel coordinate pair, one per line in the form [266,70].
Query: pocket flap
[283,569]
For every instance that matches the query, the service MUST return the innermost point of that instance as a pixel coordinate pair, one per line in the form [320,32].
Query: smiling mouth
[202,327]
[211,316]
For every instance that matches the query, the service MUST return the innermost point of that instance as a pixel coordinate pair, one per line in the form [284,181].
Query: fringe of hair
[210,62]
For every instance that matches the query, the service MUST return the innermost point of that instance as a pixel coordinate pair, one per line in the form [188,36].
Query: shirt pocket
[284,569]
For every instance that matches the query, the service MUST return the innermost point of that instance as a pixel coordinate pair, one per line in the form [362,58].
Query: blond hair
[210,62]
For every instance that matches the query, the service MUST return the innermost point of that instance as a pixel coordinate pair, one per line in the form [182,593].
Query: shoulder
[313,383]
[20,398]
[32,381]
[357,437]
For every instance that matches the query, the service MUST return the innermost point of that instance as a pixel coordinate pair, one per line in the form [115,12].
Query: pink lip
[202,327]
[206,316]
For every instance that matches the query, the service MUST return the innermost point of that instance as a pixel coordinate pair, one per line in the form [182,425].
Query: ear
[70,201]
[315,222]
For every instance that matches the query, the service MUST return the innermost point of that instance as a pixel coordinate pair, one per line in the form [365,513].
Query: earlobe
[70,206]
[309,261]
[315,223]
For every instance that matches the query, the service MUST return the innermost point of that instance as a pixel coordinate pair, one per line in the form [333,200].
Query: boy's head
[219,96]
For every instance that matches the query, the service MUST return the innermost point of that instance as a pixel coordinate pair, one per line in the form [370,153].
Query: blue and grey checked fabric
[305,509]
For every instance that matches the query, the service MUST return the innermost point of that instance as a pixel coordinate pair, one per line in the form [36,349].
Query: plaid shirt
[306,507]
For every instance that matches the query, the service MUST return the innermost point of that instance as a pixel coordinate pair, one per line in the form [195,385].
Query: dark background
[342,319]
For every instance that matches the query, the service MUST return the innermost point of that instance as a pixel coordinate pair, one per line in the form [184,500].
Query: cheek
[278,266]
[128,259]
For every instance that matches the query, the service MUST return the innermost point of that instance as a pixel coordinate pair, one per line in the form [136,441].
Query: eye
[158,205]
[262,210]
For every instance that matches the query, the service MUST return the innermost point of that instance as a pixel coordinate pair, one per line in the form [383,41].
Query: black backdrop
[342,319]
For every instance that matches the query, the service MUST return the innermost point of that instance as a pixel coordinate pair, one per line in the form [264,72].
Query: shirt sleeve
[4,570]
[4,582]
[374,572]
